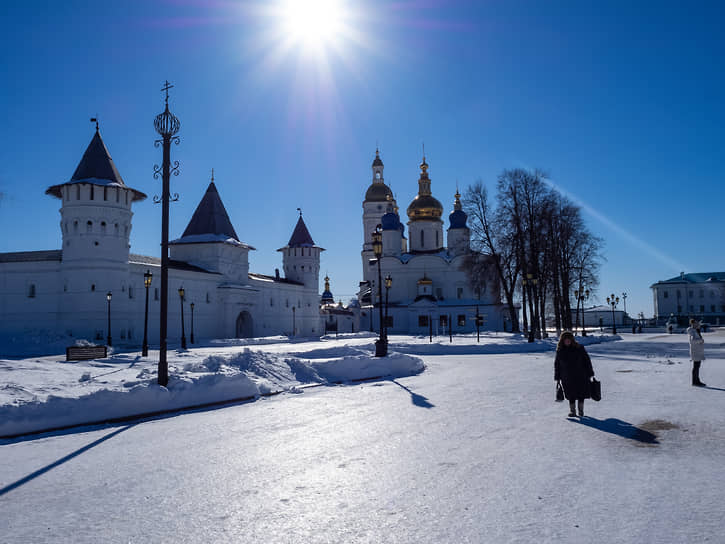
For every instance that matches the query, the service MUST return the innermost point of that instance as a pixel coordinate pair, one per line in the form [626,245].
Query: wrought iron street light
[183,336]
[613,301]
[108,298]
[192,322]
[381,346]
[581,296]
[167,125]
[146,283]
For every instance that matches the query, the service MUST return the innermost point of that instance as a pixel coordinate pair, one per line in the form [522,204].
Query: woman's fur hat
[564,336]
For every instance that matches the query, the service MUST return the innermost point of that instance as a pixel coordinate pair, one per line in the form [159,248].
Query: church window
[422,320]
[105,193]
[65,290]
[116,228]
[130,292]
[92,191]
[103,227]
[422,239]
[89,226]
[302,267]
[459,292]
[75,226]
[93,287]
[31,290]
[461,320]
[377,175]
[271,302]
[118,194]
[208,298]
[78,192]
[295,252]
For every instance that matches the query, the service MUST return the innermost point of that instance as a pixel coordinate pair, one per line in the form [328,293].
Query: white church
[72,291]
[429,290]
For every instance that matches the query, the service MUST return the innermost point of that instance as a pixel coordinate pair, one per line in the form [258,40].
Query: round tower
[301,257]
[425,227]
[378,201]
[95,210]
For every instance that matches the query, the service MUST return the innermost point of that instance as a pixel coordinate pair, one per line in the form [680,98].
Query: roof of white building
[697,277]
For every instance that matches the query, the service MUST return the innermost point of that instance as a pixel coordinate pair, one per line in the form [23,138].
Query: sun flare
[312,23]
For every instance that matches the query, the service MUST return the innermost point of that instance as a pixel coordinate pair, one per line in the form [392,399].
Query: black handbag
[596,389]
[559,392]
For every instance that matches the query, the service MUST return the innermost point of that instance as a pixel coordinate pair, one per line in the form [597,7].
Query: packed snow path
[473,450]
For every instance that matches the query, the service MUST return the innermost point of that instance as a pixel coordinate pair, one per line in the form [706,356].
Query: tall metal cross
[166,88]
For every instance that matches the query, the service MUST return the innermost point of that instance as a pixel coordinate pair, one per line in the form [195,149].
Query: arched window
[437,246]
[105,193]
[93,287]
[377,175]
[103,227]
[89,226]
[31,290]
[75,226]
[116,228]
[118,194]
[126,197]
[92,191]
[78,192]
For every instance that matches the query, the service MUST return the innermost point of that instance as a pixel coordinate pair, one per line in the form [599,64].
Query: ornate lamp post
[146,283]
[108,338]
[167,125]
[613,301]
[581,296]
[388,285]
[183,336]
[192,322]
[381,346]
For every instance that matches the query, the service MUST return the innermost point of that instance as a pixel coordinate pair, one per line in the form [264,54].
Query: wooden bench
[85,353]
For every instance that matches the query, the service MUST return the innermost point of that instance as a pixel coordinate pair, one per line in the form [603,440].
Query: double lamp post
[381,345]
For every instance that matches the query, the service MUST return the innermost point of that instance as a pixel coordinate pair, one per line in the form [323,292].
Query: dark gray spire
[301,236]
[210,217]
[97,163]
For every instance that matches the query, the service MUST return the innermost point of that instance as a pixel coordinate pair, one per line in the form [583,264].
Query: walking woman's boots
[580,404]
[696,374]
[572,413]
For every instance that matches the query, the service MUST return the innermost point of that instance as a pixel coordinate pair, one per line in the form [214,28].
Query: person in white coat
[697,351]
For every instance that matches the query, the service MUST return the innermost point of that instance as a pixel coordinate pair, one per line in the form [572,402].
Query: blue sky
[621,102]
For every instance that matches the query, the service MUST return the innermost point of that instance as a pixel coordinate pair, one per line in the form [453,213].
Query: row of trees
[539,245]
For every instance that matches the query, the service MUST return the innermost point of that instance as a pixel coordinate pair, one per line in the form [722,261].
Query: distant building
[598,316]
[429,287]
[698,295]
[63,292]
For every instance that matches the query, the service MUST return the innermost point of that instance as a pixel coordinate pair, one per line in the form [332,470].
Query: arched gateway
[245,326]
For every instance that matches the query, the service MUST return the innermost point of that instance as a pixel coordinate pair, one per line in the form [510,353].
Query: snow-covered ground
[473,449]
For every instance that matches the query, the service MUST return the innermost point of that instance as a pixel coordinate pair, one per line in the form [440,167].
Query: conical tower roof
[210,222]
[301,236]
[97,168]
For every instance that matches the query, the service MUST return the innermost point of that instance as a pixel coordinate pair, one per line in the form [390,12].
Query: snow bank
[122,390]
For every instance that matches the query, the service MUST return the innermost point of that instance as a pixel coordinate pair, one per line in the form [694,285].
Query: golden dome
[425,207]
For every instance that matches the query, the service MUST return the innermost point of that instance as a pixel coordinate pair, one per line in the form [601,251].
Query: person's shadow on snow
[620,428]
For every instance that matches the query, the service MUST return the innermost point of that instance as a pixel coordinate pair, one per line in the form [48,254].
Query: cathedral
[426,289]
[94,288]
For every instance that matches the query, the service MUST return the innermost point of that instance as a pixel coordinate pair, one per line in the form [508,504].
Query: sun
[312,24]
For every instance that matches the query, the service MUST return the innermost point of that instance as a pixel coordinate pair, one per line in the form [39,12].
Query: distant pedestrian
[697,351]
[573,368]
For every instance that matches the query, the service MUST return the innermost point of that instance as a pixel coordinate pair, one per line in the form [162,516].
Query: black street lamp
[613,301]
[381,346]
[192,322]
[183,336]
[167,125]
[146,283]
[388,285]
[108,298]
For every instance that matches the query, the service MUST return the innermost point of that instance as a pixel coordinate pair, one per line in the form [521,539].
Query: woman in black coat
[573,368]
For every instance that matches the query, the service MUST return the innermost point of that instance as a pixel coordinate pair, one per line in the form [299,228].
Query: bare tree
[490,237]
